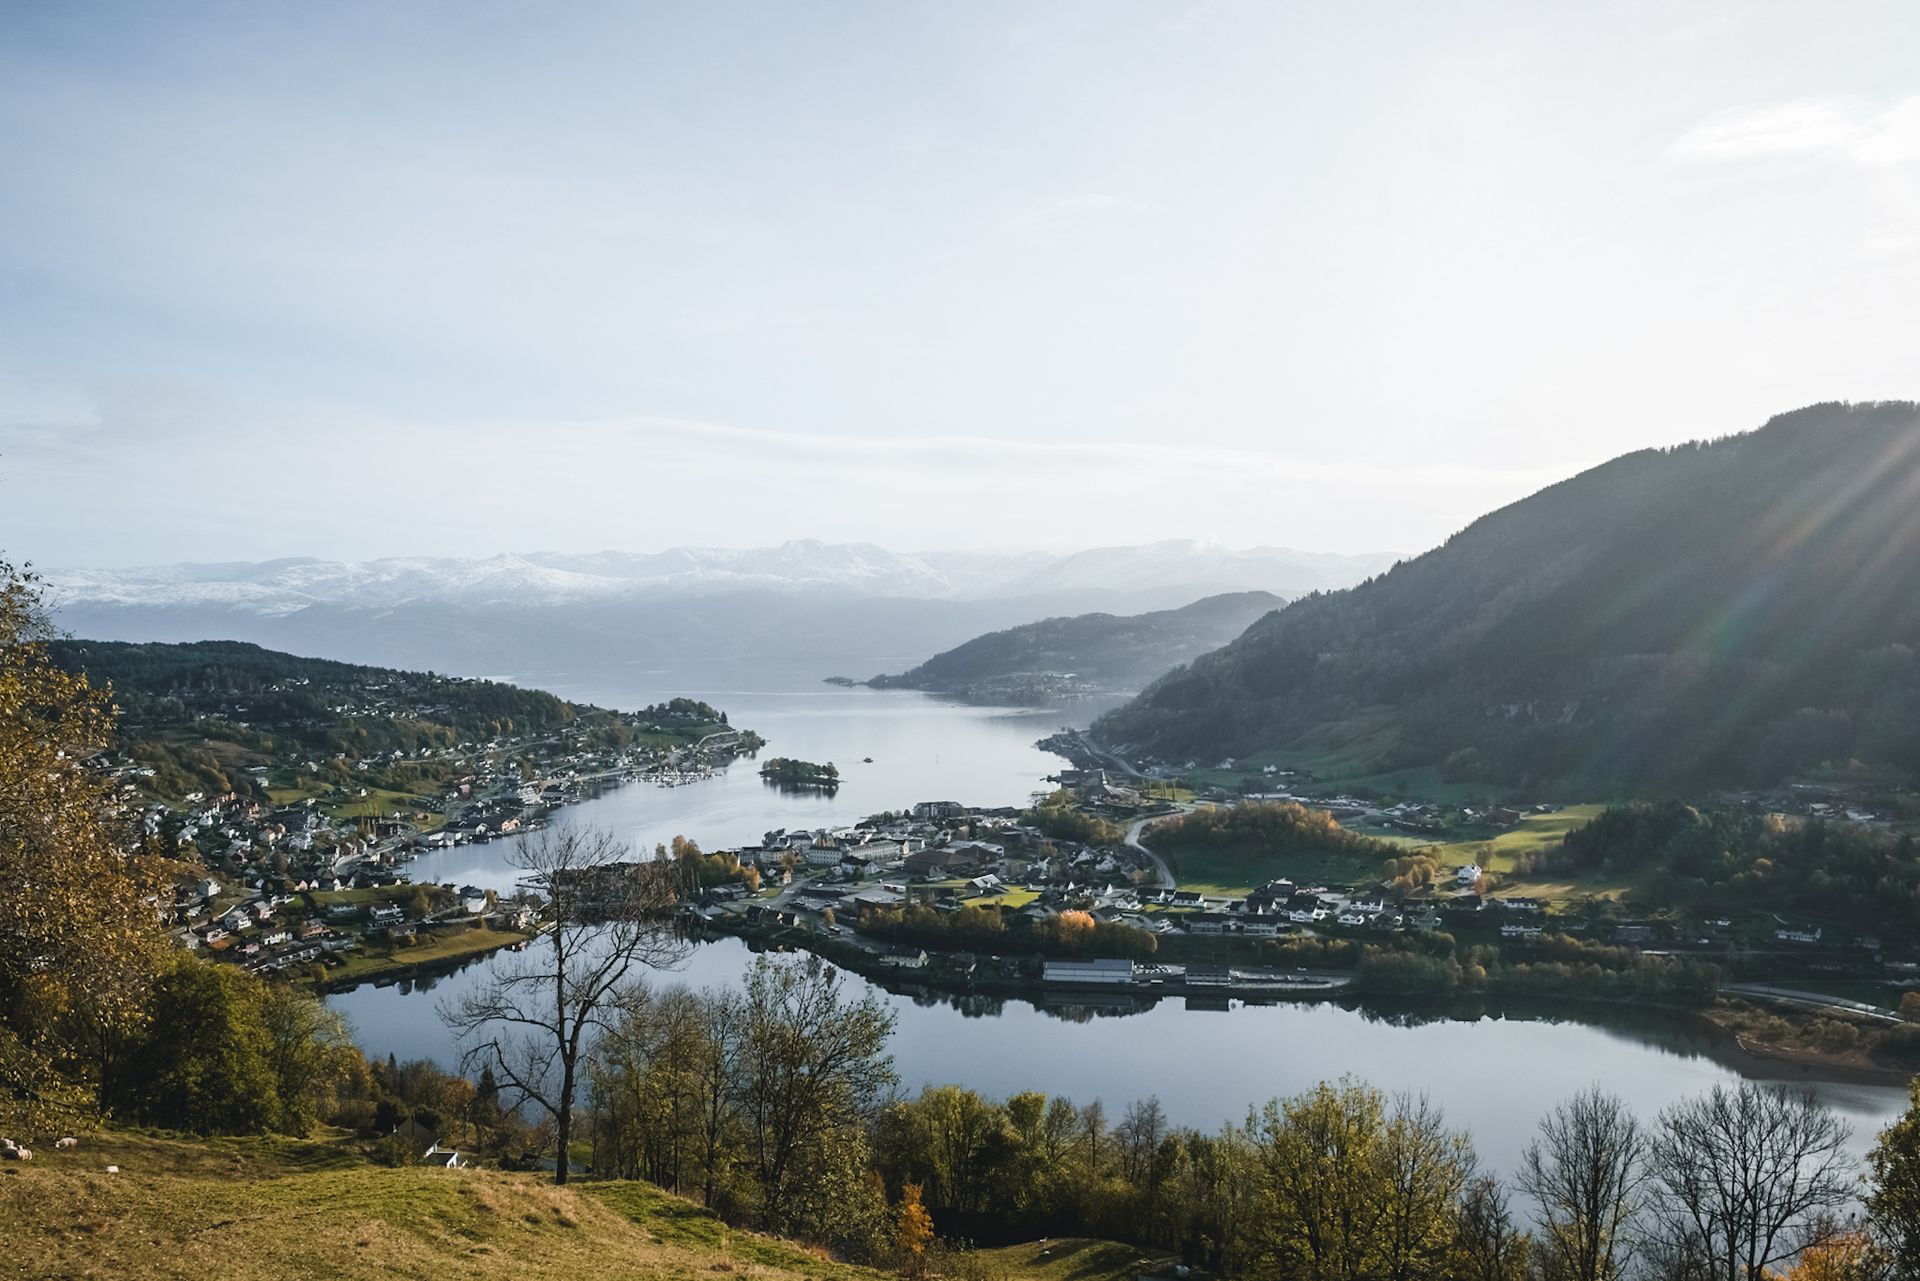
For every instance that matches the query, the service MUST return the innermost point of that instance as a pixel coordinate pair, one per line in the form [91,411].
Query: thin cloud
[1809,127]
[474,488]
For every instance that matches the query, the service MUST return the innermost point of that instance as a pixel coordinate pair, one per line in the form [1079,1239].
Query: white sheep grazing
[22,1154]
[68,1142]
[113,1169]
[7,1145]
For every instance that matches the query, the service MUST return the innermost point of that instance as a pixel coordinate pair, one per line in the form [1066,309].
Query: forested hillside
[199,714]
[1734,611]
[163,681]
[1101,652]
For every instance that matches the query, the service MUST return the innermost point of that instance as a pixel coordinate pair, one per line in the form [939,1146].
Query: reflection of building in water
[1077,1004]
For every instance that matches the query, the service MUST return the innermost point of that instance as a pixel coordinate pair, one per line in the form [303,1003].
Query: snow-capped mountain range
[830,608]
[545,579]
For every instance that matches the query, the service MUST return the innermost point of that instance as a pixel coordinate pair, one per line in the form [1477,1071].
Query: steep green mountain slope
[1733,611]
[1100,652]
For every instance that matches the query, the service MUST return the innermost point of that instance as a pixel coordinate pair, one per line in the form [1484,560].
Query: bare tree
[1141,1128]
[535,1019]
[1751,1176]
[1093,1127]
[1586,1170]
[1486,1244]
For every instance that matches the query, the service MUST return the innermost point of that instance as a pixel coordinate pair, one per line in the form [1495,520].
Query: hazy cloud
[361,488]
[1834,127]
[353,279]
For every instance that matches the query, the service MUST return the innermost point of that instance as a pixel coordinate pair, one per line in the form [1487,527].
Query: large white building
[1089,971]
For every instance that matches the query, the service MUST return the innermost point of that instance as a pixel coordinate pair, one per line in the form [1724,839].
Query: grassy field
[1228,871]
[372,961]
[314,1210]
[1070,1259]
[1535,833]
[1224,871]
[276,1208]
[1012,897]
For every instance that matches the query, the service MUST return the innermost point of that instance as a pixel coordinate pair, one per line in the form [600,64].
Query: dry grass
[293,1210]
[1070,1259]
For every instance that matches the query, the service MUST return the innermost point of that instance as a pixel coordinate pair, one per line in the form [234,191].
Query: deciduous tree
[1749,1175]
[1895,1199]
[1586,1172]
[534,1022]
[79,938]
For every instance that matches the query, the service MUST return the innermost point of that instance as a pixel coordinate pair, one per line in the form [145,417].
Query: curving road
[1159,864]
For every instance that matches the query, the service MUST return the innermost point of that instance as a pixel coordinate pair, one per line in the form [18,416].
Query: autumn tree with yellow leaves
[913,1231]
[79,934]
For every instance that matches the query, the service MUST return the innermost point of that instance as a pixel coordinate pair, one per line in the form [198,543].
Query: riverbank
[1865,1054]
[1830,1042]
[430,956]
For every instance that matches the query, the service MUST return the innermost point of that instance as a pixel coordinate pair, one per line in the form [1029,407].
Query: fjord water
[1495,1074]
[922,749]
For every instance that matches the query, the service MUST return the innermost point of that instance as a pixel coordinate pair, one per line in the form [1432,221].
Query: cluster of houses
[261,859]
[1827,802]
[1281,906]
[947,855]
[268,932]
[940,851]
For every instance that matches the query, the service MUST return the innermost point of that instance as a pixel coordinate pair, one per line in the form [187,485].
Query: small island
[785,771]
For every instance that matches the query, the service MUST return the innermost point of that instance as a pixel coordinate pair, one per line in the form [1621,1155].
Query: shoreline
[398,969]
[1741,1050]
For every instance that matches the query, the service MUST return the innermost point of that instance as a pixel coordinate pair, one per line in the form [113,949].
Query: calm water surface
[1494,1075]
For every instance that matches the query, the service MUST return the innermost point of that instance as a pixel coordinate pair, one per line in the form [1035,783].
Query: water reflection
[1495,1069]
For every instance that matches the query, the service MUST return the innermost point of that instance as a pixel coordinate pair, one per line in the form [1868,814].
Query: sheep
[68,1142]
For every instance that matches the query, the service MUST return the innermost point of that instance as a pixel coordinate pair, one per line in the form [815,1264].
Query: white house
[1467,875]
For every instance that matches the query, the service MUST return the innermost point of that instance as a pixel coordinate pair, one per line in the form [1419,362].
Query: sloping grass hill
[289,1210]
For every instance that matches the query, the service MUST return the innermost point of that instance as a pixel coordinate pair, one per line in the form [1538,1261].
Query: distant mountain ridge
[1084,654]
[545,578]
[841,607]
[1735,611]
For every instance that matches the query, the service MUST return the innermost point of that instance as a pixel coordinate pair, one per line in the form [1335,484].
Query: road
[1159,864]
[1102,754]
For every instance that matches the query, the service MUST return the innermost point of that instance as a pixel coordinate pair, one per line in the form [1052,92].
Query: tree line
[1696,857]
[988,929]
[773,1106]
[1266,829]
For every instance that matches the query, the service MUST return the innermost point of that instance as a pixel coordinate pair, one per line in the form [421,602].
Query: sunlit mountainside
[1722,612]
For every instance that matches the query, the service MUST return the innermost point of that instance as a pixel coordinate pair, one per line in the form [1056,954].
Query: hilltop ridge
[1724,612]
[1084,653]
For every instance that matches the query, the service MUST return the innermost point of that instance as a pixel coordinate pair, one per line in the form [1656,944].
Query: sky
[357,280]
